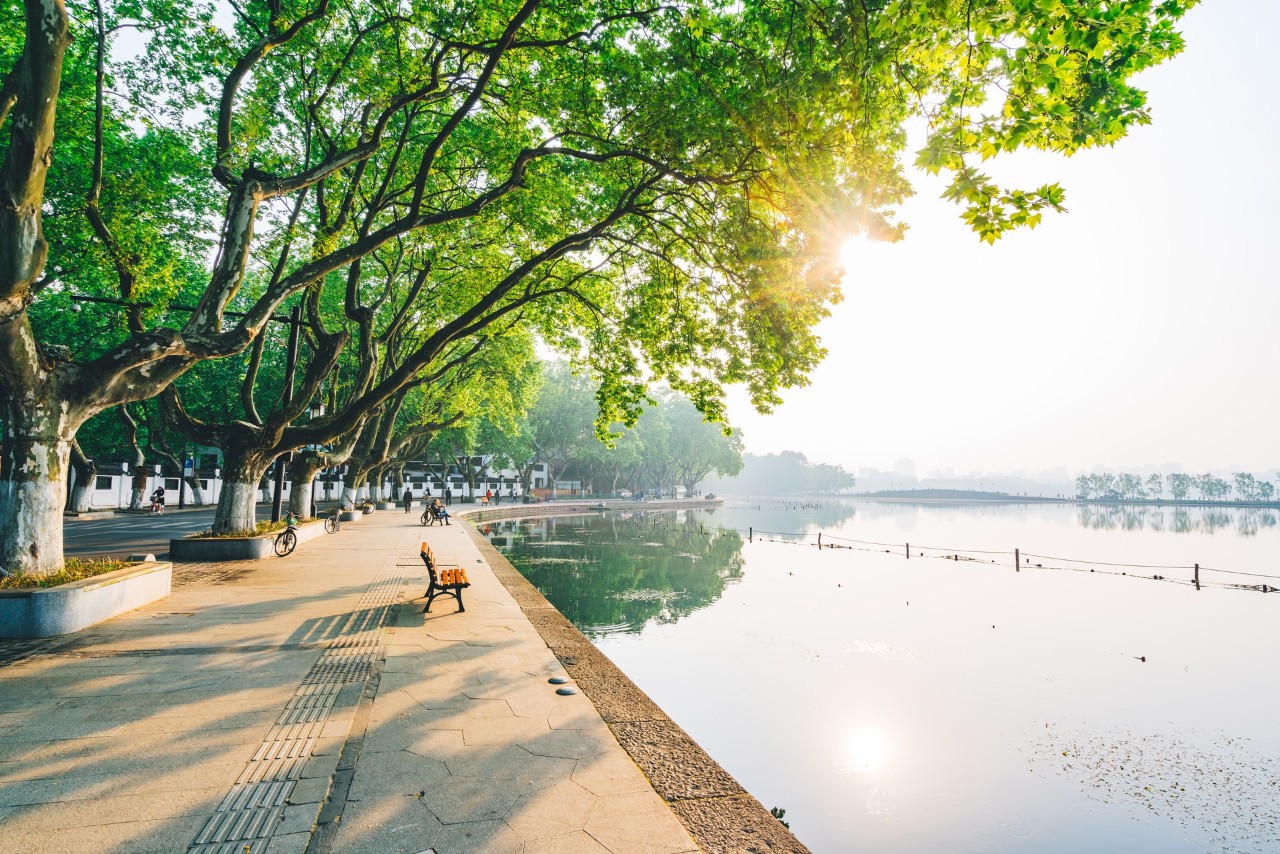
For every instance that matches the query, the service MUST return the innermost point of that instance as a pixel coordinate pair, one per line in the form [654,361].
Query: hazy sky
[1142,327]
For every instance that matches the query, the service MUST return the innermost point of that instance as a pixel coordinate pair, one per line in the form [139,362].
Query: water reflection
[1181,520]
[783,516]
[618,572]
[866,750]
[928,706]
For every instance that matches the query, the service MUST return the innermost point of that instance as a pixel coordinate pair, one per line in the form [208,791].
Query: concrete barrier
[237,548]
[43,612]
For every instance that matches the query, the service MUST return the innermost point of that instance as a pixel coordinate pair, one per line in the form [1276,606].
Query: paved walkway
[305,705]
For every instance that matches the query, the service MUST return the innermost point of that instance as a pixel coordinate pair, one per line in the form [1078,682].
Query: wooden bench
[484,499]
[444,582]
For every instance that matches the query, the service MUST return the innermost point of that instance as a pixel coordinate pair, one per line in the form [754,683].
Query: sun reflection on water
[867,750]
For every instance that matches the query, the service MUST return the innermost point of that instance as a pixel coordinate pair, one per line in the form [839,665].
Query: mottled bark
[197,494]
[302,474]
[33,478]
[86,476]
[241,476]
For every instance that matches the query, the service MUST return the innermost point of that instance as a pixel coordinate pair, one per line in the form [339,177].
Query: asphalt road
[132,533]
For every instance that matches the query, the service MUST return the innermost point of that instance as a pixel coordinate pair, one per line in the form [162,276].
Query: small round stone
[558,680]
[566,691]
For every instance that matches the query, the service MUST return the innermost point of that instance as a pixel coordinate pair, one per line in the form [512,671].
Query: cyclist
[157,500]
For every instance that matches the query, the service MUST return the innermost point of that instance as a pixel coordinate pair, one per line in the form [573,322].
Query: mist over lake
[935,704]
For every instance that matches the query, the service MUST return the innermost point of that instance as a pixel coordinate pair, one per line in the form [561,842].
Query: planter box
[237,548]
[44,612]
[351,516]
[387,505]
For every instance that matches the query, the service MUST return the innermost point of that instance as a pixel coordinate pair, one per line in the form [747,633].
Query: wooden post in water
[1197,576]
[819,539]
[908,551]
[750,535]
[1017,561]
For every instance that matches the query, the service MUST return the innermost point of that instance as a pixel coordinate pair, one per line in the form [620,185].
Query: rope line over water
[1017,559]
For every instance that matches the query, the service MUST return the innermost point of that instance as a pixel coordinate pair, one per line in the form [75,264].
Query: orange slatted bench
[444,582]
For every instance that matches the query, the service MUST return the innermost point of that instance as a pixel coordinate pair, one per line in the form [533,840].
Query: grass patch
[258,530]
[75,569]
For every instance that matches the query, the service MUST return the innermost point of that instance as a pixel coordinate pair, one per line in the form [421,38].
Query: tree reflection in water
[616,572]
[1181,520]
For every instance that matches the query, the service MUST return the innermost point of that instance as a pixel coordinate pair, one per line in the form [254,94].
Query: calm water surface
[931,705]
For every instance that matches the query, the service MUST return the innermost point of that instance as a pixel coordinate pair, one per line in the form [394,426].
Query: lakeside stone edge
[715,809]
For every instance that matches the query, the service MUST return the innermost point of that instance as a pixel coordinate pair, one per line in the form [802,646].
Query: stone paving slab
[306,705]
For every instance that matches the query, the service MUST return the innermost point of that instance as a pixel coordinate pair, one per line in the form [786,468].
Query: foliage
[75,569]
[786,473]
[1129,487]
[263,528]
[612,577]
[670,443]
[656,191]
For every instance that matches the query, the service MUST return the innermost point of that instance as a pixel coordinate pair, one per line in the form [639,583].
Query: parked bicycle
[287,540]
[331,523]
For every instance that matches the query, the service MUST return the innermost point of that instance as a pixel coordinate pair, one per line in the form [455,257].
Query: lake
[936,704]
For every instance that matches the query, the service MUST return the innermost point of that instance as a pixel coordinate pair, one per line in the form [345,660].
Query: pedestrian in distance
[511,494]
[497,496]
[407,499]
[448,497]
[488,496]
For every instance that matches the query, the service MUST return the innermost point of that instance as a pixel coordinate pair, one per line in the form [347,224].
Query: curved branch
[242,68]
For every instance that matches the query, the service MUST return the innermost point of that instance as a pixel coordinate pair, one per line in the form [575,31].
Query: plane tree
[670,181]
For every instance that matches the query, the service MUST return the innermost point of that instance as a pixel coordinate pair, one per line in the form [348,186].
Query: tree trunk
[302,474]
[352,482]
[197,494]
[139,489]
[86,472]
[33,486]
[139,463]
[241,476]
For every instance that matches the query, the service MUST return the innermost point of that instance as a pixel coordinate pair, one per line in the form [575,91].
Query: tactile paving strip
[248,816]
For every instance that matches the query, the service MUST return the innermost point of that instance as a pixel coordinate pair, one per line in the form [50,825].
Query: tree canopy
[657,190]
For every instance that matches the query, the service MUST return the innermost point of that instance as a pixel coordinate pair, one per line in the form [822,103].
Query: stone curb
[715,809]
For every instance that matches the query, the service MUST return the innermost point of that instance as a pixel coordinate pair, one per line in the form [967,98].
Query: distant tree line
[789,472]
[1181,487]
[671,443]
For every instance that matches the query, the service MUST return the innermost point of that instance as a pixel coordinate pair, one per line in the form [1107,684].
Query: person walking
[448,497]
[407,498]
[497,496]
[488,496]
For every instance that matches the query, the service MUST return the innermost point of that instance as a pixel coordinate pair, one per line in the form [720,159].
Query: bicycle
[287,540]
[331,523]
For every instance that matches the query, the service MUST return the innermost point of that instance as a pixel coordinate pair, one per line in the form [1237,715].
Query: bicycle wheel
[285,543]
[331,525]
[426,514]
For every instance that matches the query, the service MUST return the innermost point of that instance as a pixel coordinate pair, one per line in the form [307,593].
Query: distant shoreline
[958,496]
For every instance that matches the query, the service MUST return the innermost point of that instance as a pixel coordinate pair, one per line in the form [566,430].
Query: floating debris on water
[1216,789]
